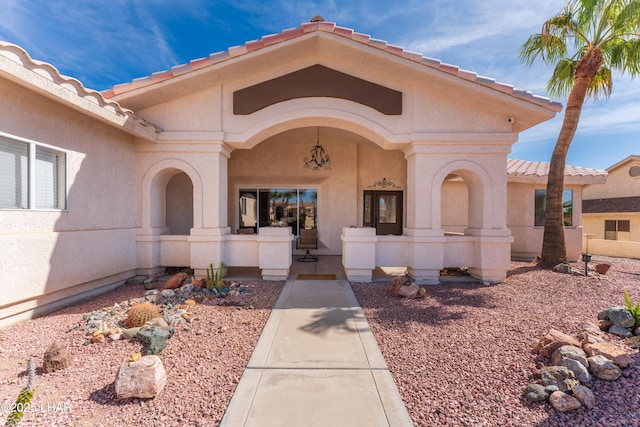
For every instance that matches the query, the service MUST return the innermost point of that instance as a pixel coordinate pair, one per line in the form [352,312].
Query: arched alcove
[449,194]
[454,205]
[179,204]
[172,197]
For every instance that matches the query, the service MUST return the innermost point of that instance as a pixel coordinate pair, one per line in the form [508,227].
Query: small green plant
[635,310]
[214,278]
[24,398]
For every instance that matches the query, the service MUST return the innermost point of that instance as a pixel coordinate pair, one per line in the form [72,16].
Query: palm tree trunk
[554,250]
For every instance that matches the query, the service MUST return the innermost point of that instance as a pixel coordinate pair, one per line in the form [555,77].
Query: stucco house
[611,212]
[396,159]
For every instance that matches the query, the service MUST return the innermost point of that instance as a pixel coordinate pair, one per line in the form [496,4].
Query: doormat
[316,277]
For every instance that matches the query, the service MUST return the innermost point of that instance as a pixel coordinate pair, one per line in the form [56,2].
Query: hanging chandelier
[319,158]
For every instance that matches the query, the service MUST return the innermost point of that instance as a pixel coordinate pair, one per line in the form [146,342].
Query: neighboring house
[611,212]
[218,163]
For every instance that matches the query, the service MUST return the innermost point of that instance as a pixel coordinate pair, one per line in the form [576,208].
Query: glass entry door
[383,211]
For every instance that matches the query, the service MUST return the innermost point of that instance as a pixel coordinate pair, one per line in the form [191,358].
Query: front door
[383,210]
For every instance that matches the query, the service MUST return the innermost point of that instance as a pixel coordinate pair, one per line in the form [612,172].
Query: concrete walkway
[316,364]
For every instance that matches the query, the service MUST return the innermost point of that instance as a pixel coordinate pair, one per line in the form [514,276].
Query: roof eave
[17,66]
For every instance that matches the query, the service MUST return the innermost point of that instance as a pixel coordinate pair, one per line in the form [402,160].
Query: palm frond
[601,84]
[548,48]
[562,79]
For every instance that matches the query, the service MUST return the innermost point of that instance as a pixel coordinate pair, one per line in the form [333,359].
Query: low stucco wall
[613,248]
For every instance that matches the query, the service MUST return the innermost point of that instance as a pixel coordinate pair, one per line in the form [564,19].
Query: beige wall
[527,239]
[619,184]
[594,224]
[49,255]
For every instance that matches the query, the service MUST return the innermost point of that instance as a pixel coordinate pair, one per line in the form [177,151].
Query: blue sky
[106,42]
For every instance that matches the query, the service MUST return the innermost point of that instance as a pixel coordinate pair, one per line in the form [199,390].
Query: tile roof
[539,169]
[332,28]
[618,204]
[20,57]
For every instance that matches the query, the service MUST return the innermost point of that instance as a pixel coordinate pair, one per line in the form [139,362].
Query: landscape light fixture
[586,258]
[319,158]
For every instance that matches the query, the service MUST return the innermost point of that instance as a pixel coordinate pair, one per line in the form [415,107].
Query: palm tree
[587,41]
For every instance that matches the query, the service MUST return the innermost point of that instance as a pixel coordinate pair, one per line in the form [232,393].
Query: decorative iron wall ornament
[384,184]
[319,158]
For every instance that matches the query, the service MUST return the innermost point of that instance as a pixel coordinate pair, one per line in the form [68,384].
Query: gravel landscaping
[204,361]
[461,356]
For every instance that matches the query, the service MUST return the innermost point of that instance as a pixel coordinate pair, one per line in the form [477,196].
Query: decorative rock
[153,298]
[409,291]
[580,371]
[562,402]
[56,357]
[535,393]
[115,337]
[636,331]
[609,351]
[603,324]
[586,337]
[633,342]
[603,268]
[185,289]
[397,283]
[551,388]
[592,328]
[562,268]
[152,292]
[176,281]
[620,331]
[422,293]
[603,368]
[198,283]
[130,333]
[559,376]
[569,352]
[97,339]
[553,340]
[155,338]
[168,293]
[189,302]
[157,322]
[148,284]
[618,315]
[584,395]
[144,378]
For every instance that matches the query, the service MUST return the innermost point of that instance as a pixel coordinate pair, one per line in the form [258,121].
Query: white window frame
[62,179]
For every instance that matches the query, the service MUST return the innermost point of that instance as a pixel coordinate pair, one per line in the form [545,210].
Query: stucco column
[208,242]
[426,238]
[274,246]
[359,253]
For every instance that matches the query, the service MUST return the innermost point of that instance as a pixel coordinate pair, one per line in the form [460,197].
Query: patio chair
[308,240]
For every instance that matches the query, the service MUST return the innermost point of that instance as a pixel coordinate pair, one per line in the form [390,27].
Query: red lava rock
[175,281]
[602,268]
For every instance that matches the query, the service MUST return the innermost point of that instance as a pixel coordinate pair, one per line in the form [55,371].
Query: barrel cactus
[139,314]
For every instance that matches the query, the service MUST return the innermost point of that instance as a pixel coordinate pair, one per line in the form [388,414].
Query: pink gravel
[202,370]
[461,356]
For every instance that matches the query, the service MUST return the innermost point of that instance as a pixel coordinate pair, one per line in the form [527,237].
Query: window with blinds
[32,176]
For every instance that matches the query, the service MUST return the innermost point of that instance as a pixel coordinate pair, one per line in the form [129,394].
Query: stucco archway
[154,192]
[479,184]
